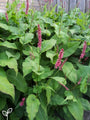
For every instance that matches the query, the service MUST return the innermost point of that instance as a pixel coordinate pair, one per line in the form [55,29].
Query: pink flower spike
[22,102]
[64,86]
[39,37]
[58,63]
[61,53]
[79,81]
[84,49]
[6,15]
[23,99]
[60,67]
[27,6]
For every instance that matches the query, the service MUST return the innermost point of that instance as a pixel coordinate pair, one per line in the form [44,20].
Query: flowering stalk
[59,58]
[27,6]
[22,102]
[64,86]
[84,49]
[60,67]
[39,37]
[6,15]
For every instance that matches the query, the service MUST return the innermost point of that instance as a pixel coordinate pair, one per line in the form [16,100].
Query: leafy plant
[42,76]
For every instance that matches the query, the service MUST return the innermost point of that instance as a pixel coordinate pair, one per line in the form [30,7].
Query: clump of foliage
[42,76]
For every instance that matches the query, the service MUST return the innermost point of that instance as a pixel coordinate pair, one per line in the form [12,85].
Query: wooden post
[81,5]
[72,4]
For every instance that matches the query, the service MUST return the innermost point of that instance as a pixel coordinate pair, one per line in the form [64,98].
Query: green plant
[27,67]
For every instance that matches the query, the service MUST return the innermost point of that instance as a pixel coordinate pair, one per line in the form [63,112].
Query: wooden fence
[84,5]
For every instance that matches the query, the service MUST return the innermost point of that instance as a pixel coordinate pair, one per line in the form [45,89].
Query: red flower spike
[27,6]
[6,15]
[39,37]
[84,49]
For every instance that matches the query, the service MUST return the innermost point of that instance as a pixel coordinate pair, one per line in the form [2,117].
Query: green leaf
[12,54]
[48,95]
[12,29]
[75,29]
[47,32]
[27,38]
[8,45]
[2,102]
[47,44]
[13,116]
[83,71]
[57,100]
[70,72]
[11,62]
[4,26]
[17,80]
[5,86]
[64,37]
[30,65]
[85,104]
[60,79]
[76,110]
[32,106]
[83,86]
[42,73]
[50,54]
[69,96]
[1,117]
[41,115]
[67,114]
[71,48]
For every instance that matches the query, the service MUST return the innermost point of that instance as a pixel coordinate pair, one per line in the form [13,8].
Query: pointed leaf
[41,115]
[71,48]
[27,38]
[76,110]
[2,102]
[70,72]
[17,80]
[32,106]
[5,86]
[50,54]
[59,79]
[8,45]
[47,44]
[30,65]
[85,103]
[11,62]
[57,100]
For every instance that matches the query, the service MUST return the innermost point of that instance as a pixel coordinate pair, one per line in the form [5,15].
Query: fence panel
[84,5]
